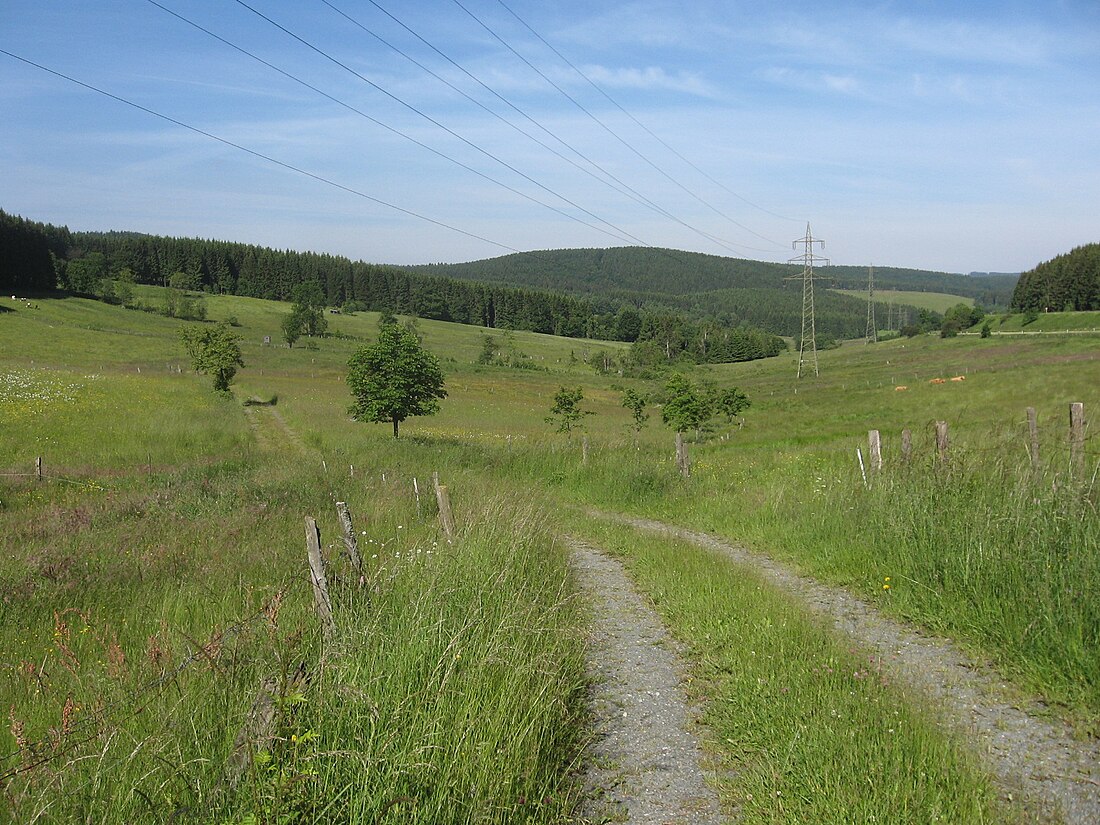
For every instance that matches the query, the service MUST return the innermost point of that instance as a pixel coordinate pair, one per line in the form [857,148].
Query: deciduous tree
[566,412]
[394,378]
[214,351]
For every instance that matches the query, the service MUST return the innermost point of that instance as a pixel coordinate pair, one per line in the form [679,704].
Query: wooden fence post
[906,445]
[351,544]
[38,468]
[941,442]
[416,492]
[1033,439]
[584,451]
[874,450]
[258,730]
[1077,440]
[446,516]
[317,576]
[683,461]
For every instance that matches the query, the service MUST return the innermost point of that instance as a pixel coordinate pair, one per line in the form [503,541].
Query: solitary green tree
[214,351]
[292,328]
[394,378]
[566,412]
[732,402]
[635,402]
[307,315]
[687,407]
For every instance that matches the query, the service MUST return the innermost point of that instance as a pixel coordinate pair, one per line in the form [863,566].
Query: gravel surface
[1034,759]
[645,763]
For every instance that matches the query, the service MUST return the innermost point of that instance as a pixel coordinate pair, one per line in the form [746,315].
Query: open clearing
[166,538]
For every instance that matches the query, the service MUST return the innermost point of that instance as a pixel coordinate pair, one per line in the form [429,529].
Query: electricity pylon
[872,329]
[807,259]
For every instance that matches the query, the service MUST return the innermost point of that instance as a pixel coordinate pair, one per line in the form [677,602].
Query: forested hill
[1068,282]
[752,292]
[653,271]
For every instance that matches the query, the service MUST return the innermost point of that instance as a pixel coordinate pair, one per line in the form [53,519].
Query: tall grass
[144,602]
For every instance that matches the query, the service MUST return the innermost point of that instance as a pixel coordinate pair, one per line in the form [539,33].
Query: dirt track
[1032,758]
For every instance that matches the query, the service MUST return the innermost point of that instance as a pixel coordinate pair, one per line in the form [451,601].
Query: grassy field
[172,514]
[1048,322]
[936,301]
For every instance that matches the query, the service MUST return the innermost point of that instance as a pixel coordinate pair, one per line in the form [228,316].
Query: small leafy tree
[732,402]
[566,412]
[687,407]
[307,316]
[488,349]
[394,378]
[636,403]
[292,328]
[214,351]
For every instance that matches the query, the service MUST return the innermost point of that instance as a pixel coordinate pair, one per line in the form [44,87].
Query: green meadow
[936,301]
[156,577]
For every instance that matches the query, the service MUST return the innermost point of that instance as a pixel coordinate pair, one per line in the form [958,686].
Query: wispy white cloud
[649,78]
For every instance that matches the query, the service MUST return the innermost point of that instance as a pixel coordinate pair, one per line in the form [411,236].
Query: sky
[940,135]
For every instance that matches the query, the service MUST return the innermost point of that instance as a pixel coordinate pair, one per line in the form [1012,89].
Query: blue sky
[942,135]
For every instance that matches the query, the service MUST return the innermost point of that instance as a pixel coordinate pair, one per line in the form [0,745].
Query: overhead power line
[259,155]
[608,129]
[389,128]
[637,122]
[435,122]
[605,177]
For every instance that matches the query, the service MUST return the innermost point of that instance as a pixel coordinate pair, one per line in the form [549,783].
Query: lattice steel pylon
[872,328]
[807,259]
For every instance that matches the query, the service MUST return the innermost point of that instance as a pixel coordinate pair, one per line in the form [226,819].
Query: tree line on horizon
[101,264]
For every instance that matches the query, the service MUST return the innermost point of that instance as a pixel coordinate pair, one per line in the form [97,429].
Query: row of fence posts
[1076,444]
[258,730]
[321,599]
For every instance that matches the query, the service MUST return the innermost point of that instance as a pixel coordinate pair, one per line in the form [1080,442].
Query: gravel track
[645,763]
[1034,759]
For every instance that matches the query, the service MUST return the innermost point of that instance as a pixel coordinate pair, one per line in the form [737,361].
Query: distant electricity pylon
[808,259]
[872,329]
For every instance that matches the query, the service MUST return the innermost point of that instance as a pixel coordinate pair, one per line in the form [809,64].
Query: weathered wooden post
[584,451]
[317,576]
[1077,440]
[906,445]
[941,442]
[38,468]
[874,450]
[1033,439]
[683,461]
[446,517]
[416,492]
[351,544]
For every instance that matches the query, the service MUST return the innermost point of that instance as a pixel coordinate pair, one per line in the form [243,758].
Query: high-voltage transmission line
[809,328]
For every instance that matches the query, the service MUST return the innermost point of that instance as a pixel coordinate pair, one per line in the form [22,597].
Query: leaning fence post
[1033,438]
[38,468]
[906,445]
[1077,440]
[317,576]
[443,499]
[350,542]
[941,441]
[874,450]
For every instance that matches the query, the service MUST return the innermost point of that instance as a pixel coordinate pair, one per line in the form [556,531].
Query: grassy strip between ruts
[809,728]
